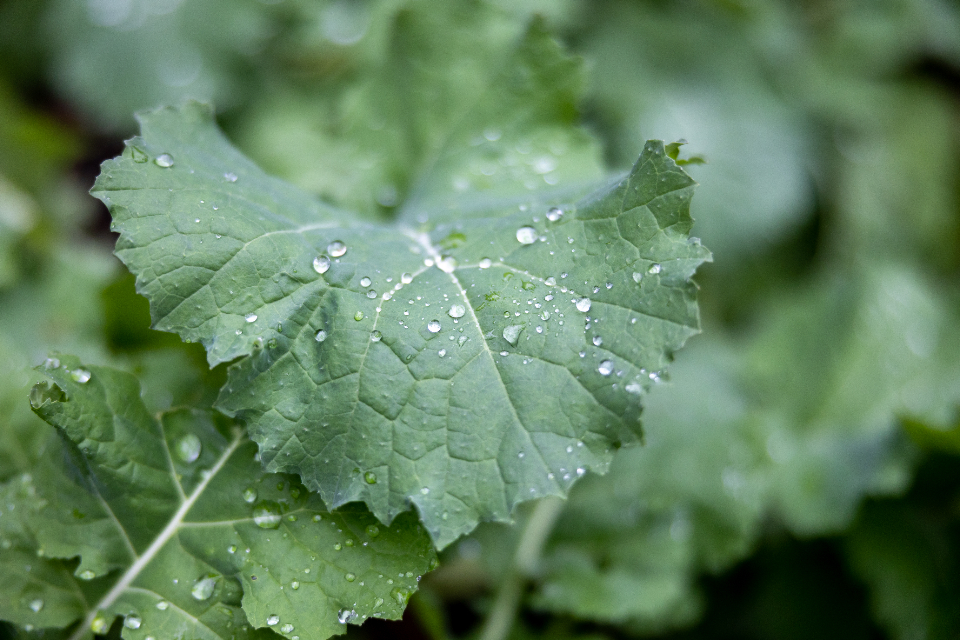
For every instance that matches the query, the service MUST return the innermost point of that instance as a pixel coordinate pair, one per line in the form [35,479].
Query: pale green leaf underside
[174,502]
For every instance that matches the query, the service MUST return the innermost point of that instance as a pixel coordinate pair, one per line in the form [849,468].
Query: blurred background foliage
[801,474]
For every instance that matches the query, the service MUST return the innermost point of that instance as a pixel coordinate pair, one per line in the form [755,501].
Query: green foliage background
[800,470]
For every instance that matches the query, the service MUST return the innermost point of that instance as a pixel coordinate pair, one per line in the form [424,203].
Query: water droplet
[203,588]
[337,546]
[164,160]
[485,263]
[132,622]
[349,577]
[433,326]
[654,268]
[605,368]
[51,363]
[597,341]
[456,311]
[346,615]
[442,352]
[99,625]
[373,530]
[250,317]
[80,375]
[287,628]
[294,585]
[267,514]
[358,316]
[37,605]
[376,336]
[273,619]
[321,264]
[425,490]
[399,596]
[189,448]
[526,235]
[370,477]
[512,333]
[163,605]
[249,495]
[406,278]
[365,282]
[634,388]
[373,294]
[86,574]
[230,177]
[232,548]
[583,305]
[336,248]
[554,214]
[447,264]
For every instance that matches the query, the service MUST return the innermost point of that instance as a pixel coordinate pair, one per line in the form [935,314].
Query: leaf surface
[184,528]
[400,364]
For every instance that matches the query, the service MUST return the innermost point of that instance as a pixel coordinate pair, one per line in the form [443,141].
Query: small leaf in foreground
[177,516]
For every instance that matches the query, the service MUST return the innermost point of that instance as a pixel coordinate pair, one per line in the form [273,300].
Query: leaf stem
[526,558]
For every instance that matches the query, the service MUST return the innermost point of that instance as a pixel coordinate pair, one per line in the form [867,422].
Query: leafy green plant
[486,347]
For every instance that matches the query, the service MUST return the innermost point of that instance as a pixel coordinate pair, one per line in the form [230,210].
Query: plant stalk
[526,558]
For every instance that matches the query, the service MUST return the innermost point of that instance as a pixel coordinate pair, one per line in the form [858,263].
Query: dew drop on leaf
[230,177]
[99,625]
[554,214]
[406,278]
[36,605]
[373,530]
[456,311]
[164,160]
[358,316]
[189,448]
[485,263]
[250,317]
[80,375]
[132,622]
[583,305]
[249,495]
[346,615]
[512,333]
[294,585]
[349,577]
[273,619]
[203,588]
[605,368]
[287,628]
[365,282]
[526,235]
[654,268]
[336,248]
[433,326]
[321,335]
[163,605]
[321,264]
[266,514]
[637,276]
[376,336]
[370,477]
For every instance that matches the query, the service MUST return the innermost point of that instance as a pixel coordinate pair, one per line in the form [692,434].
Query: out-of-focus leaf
[804,428]
[179,514]
[680,71]
[451,103]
